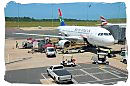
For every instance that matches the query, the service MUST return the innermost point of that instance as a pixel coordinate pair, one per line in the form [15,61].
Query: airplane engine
[64,43]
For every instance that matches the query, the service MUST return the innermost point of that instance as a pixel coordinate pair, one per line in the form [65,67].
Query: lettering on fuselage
[82,30]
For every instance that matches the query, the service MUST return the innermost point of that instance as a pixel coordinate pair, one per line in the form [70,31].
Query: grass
[48,24]
[57,23]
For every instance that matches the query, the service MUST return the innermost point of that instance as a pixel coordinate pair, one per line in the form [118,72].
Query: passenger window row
[106,34]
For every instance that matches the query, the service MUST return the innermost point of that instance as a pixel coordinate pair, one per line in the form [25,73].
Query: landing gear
[73,43]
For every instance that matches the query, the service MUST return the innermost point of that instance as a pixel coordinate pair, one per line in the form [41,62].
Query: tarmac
[23,67]
[82,74]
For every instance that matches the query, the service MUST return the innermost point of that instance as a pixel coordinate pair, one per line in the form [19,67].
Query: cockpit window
[105,34]
[109,33]
[100,34]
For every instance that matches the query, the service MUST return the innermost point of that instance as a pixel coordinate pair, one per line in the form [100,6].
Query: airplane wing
[53,36]
[40,35]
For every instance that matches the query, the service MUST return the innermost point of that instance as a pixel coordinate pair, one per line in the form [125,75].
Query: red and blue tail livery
[103,21]
[60,18]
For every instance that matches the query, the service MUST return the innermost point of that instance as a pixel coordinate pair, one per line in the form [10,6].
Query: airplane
[105,22]
[96,36]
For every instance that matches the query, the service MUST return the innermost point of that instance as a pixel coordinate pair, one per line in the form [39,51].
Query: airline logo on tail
[103,21]
[60,18]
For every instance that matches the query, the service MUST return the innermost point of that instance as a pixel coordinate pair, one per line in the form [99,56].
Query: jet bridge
[118,32]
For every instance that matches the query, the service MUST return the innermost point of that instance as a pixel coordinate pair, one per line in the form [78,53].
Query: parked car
[59,74]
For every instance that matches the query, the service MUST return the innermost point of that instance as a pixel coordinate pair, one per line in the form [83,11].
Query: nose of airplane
[111,40]
[57,28]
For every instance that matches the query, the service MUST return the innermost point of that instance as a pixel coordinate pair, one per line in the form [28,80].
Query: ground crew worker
[109,53]
[17,45]
[66,61]
[98,51]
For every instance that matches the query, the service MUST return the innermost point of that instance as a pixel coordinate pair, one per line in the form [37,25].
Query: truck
[59,74]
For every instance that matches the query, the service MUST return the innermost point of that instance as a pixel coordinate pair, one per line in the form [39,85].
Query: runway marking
[114,78]
[108,79]
[44,73]
[44,77]
[116,72]
[69,69]
[119,71]
[101,80]
[80,75]
[111,82]
[79,65]
[111,73]
[87,74]
[99,73]
[90,75]
[75,82]
[95,67]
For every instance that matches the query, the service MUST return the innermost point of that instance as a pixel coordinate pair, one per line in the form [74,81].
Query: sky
[79,10]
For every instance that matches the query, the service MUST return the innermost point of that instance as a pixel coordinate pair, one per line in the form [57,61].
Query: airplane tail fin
[60,18]
[103,21]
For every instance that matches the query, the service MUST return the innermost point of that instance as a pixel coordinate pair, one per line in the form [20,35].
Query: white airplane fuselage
[118,24]
[95,35]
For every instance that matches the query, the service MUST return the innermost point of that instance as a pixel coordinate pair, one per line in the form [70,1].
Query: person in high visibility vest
[109,53]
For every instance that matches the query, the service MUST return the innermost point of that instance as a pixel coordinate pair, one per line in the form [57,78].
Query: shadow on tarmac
[22,59]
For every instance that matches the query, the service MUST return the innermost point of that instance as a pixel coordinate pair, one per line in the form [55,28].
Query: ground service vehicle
[59,74]
[124,55]
[26,44]
[74,50]
[50,51]
[66,62]
[100,58]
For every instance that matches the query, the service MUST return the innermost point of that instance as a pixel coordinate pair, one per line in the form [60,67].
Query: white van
[124,55]
[50,51]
